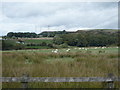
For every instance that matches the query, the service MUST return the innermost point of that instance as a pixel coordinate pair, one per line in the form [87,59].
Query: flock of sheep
[82,48]
[27,61]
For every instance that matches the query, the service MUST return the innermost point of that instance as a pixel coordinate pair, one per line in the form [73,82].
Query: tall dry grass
[59,65]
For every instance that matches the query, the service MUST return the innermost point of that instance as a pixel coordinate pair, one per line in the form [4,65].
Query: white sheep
[52,50]
[68,50]
[79,48]
[103,47]
[55,51]
[75,48]
[95,47]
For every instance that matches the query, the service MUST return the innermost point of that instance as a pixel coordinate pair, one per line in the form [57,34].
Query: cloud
[21,16]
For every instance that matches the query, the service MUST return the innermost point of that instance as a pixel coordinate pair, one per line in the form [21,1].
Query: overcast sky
[44,16]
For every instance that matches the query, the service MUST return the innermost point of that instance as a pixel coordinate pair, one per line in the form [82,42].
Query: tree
[43,44]
[58,40]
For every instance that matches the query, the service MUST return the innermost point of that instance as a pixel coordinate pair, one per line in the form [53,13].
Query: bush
[11,45]
[43,44]
[50,45]
[64,45]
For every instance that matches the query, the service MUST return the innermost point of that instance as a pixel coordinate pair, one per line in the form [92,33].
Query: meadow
[38,41]
[74,63]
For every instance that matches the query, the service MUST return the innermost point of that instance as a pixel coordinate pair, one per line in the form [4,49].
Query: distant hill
[54,33]
[99,31]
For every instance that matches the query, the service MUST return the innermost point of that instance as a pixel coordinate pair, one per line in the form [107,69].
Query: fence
[109,80]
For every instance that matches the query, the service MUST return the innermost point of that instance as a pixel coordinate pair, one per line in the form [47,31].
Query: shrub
[64,45]
[50,45]
[11,45]
[43,44]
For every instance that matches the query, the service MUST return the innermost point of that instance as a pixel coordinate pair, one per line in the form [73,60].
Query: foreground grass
[62,64]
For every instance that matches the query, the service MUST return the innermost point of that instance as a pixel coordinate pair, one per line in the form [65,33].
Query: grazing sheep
[75,48]
[55,51]
[82,48]
[79,48]
[68,50]
[95,47]
[52,50]
[102,47]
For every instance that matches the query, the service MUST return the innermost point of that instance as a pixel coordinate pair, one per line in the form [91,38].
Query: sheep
[52,50]
[75,48]
[55,51]
[68,50]
[103,47]
[79,48]
[95,47]
[82,48]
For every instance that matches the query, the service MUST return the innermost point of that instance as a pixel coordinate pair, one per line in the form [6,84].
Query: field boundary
[25,79]
[43,38]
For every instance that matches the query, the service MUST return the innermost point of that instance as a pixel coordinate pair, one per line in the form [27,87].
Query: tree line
[85,39]
[22,34]
[63,39]
[34,35]
[52,33]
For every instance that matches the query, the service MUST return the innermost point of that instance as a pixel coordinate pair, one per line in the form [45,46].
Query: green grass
[38,41]
[37,47]
[73,50]
[44,63]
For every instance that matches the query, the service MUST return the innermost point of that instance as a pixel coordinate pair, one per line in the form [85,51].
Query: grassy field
[75,63]
[38,41]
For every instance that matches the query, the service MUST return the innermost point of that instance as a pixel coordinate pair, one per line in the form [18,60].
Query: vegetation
[21,34]
[52,34]
[38,41]
[16,44]
[88,38]
[76,63]
[92,53]
[63,39]
[11,45]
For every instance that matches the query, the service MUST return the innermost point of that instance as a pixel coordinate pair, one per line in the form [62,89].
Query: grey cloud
[21,10]
[62,15]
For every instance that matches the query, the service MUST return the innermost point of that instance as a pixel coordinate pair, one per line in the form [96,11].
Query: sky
[54,16]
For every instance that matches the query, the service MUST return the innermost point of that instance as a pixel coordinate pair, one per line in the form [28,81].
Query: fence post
[110,82]
[24,81]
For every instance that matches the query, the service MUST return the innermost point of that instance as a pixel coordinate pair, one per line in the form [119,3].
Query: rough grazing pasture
[45,63]
[38,41]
